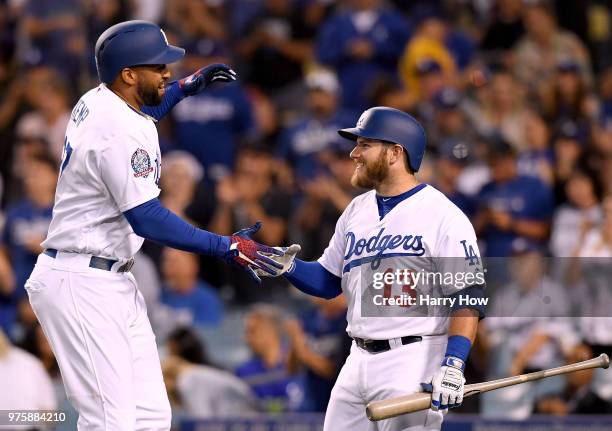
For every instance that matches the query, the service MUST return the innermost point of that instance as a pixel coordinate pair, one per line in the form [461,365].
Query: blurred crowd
[516,100]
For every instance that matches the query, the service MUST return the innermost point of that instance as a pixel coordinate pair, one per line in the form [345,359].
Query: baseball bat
[385,409]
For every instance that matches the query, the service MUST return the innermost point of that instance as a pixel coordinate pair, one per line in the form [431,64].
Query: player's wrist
[458,347]
[454,362]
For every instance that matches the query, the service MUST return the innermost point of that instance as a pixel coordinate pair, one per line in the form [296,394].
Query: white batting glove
[446,385]
[286,260]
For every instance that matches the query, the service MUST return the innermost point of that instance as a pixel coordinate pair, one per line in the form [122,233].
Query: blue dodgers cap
[206,47]
[455,150]
[393,126]
[568,65]
[132,43]
[427,66]
[570,129]
[446,99]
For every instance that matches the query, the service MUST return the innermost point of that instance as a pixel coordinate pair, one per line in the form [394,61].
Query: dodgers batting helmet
[390,125]
[132,43]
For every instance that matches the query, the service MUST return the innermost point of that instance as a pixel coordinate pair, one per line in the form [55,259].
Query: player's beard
[148,93]
[372,173]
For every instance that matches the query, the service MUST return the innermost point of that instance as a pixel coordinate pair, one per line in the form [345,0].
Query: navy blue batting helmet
[391,125]
[132,43]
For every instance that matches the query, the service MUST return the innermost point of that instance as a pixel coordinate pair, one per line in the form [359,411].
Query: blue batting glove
[248,254]
[203,78]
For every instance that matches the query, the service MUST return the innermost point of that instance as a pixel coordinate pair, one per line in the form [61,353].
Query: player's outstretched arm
[152,221]
[309,277]
[189,86]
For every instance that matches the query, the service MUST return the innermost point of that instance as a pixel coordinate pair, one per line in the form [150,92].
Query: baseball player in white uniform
[106,202]
[398,220]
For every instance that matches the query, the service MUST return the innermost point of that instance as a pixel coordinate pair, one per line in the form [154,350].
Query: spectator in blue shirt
[302,143]
[362,43]
[210,124]
[511,207]
[317,342]
[537,160]
[26,227]
[266,371]
[183,291]
[56,34]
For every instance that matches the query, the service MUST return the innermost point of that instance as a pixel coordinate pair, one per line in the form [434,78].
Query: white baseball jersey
[425,225]
[111,163]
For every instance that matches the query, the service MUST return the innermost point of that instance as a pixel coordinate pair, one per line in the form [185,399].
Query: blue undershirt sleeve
[312,278]
[477,292]
[152,221]
[172,96]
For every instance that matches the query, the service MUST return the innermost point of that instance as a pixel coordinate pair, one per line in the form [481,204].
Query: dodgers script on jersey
[425,225]
[108,167]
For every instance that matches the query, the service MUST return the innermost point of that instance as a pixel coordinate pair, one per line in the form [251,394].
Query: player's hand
[252,256]
[286,260]
[202,79]
[446,385]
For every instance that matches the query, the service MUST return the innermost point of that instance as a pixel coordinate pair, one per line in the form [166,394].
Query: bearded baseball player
[399,218]
[81,288]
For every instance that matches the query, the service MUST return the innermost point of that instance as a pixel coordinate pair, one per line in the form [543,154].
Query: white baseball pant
[368,377]
[96,322]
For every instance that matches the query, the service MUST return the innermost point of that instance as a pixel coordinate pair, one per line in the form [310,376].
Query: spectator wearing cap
[453,156]
[511,206]
[544,45]
[449,119]
[567,96]
[301,143]
[431,81]
[569,147]
[434,40]
[537,159]
[362,43]
[183,291]
[210,124]
[27,221]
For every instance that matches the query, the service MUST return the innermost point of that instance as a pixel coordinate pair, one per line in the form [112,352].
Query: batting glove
[202,79]
[446,385]
[286,260]
[249,255]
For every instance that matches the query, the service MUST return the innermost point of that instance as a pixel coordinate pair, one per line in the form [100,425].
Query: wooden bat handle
[385,409]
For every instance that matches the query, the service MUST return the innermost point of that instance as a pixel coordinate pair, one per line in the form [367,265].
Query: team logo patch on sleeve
[141,163]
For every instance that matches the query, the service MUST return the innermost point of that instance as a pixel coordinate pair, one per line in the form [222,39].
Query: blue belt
[98,262]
